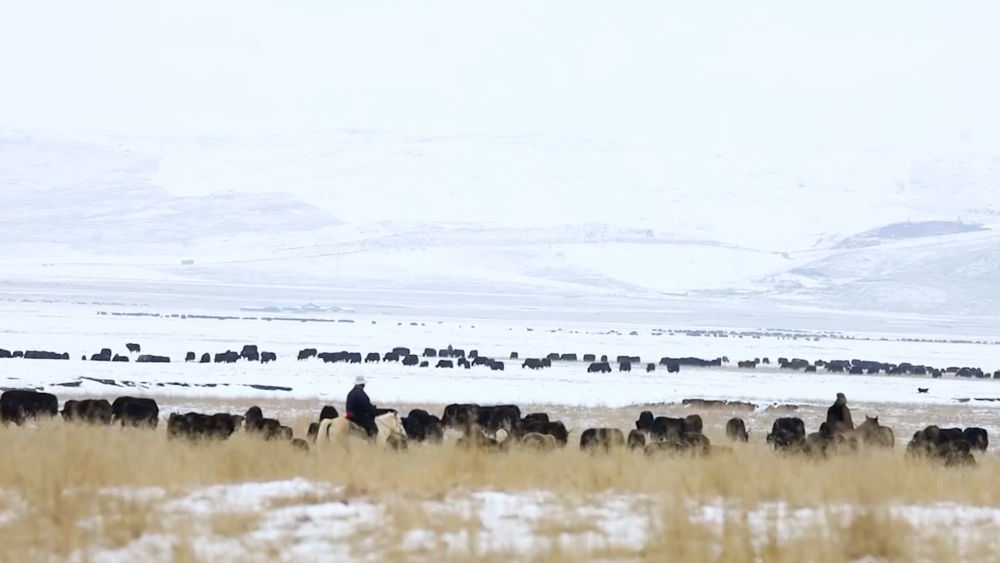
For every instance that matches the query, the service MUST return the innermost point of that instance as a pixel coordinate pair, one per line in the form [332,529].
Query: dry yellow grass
[56,478]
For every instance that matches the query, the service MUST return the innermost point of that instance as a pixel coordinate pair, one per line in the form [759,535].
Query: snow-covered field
[490,523]
[83,330]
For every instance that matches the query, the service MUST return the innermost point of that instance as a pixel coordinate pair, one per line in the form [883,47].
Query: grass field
[80,493]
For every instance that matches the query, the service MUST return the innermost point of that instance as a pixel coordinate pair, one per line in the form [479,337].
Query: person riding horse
[360,409]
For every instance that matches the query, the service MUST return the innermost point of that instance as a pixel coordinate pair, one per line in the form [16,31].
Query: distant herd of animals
[501,427]
[449,358]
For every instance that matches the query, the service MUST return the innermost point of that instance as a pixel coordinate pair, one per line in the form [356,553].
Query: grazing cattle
[390,357]
[189,357]
[589,358]
[922,389]
[269,428]
[513,356]
[424,364]
[266,357]
[625,366]
[977,438]
[119,358]
[473,354]
[103,356]
[636,439]
[460,416]
[553,357]
[601,439]
[697,444]
[411,360]
[645,421]
[5,354]
[665,427]
[553,428]
[838,416]
[736,430]
[17,354]
[401,351]
[137,412]
[250,353]
[457,352]
[599,367]
[152,359]
[690,361]
[567,357]
[421,426]
[445,364]
[788,434]
[44,355]
[532,363]
[307,353]
[493,418]
[372,358]
[18,405]
[91,411]
[464,363]
[133,348]
[227,357]
[538,441]
[650,367]
[480,441]
[822,442]
[430,353]
[198,426]
[536,417]
[496,365]
[205,358]
[481,361]
[946,444]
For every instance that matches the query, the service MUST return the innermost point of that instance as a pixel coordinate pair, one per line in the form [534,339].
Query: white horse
[340,430]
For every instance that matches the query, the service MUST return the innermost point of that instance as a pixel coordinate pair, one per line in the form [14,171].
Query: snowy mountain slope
[501,215]
[947,273]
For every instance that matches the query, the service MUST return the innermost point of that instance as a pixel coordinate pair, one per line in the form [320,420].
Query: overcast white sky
[762,73]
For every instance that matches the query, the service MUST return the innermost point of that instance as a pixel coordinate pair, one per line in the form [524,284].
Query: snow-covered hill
[498,215]
[771,158]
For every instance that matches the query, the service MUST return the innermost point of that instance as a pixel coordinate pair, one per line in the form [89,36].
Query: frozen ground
[296,519]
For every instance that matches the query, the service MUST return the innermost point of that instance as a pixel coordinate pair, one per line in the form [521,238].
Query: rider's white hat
[359,380]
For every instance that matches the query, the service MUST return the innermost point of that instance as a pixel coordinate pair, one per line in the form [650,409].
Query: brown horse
[871,433]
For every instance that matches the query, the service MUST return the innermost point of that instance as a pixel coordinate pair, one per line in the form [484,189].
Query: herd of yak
[501,426]
[447,358]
